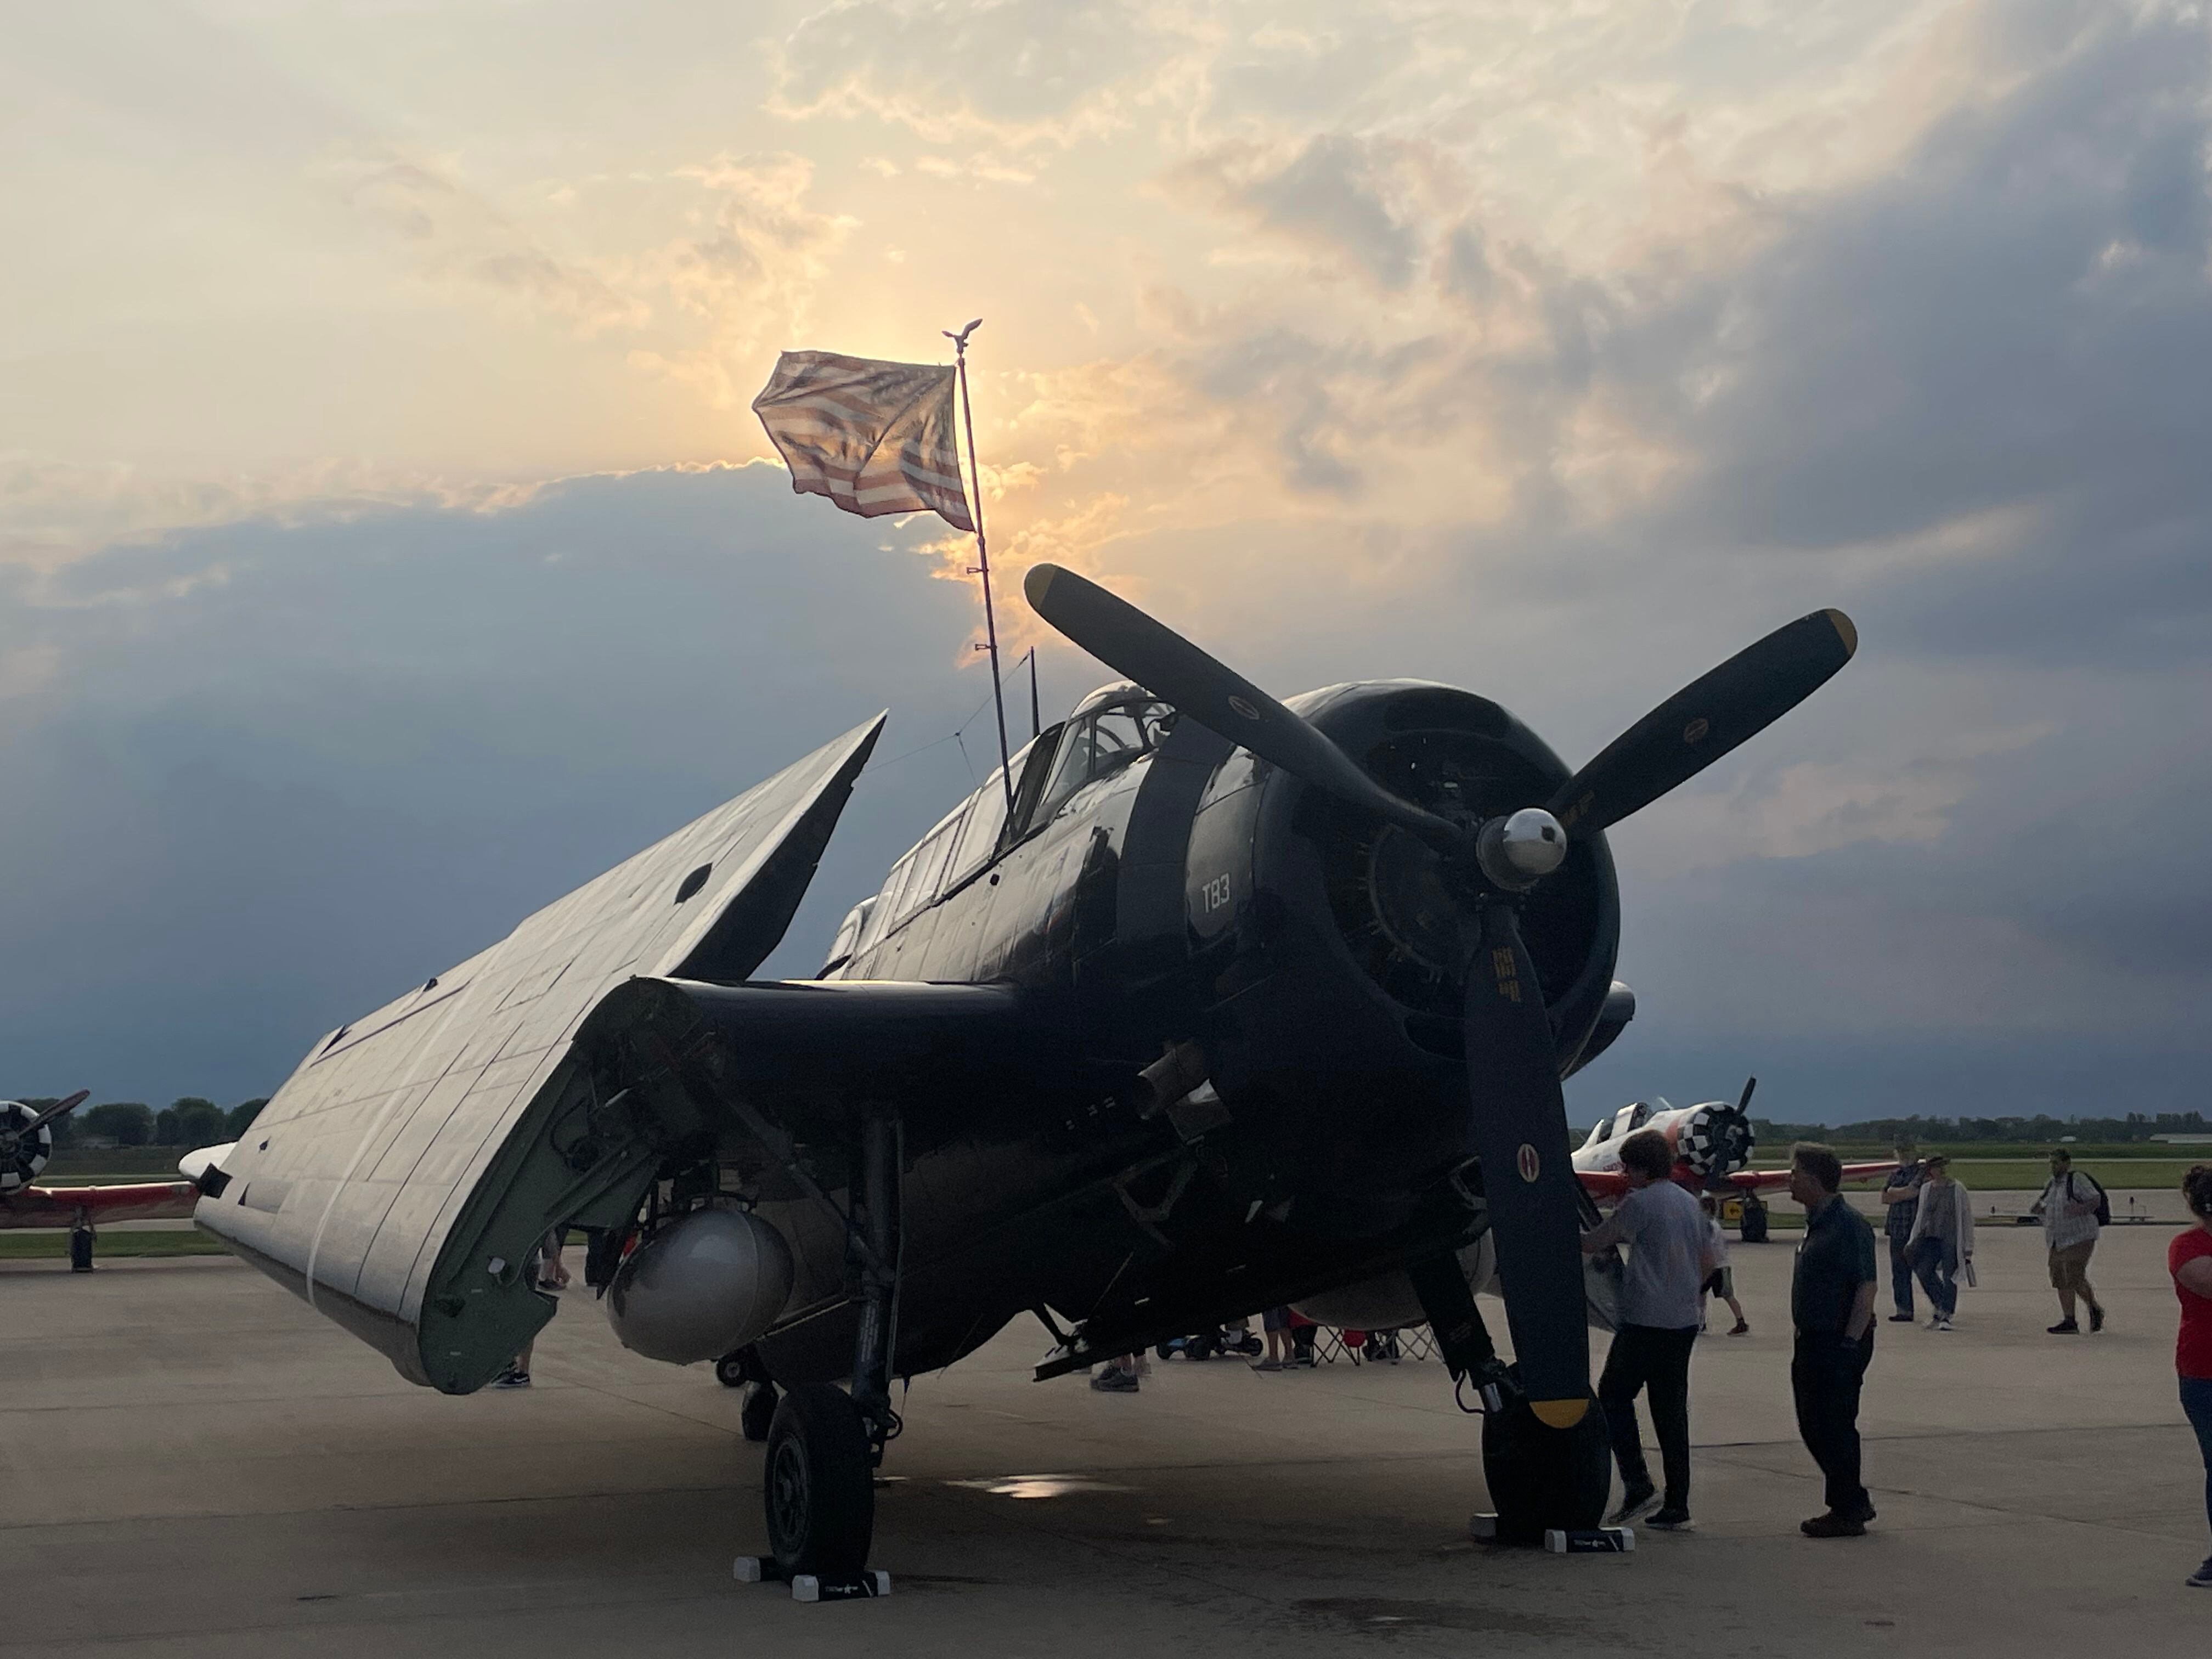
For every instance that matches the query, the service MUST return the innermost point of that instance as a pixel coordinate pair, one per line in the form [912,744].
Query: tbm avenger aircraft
[1205,1003]
[27,1144]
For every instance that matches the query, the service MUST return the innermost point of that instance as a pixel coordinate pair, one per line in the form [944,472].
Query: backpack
[2104,1203]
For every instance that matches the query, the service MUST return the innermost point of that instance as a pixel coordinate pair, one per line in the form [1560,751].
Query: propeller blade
[1705,719]
[1170,667]
[1743,1102]
[60,1109]
[1520,1124]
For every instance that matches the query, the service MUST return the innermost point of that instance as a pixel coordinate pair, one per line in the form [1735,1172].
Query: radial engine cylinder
[706,1283]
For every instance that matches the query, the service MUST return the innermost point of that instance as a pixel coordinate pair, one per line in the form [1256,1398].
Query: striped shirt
[2061,1230]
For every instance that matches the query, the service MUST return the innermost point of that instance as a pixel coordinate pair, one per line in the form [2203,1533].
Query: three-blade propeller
[1517,1113]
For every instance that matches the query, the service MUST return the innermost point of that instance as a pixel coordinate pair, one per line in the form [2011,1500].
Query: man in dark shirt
[1901,1194]
[1832,1304]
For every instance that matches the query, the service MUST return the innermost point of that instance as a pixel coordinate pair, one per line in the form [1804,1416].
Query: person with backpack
[2073,1210]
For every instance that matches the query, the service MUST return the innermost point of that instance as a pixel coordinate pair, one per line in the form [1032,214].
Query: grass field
[84,1164]
[1988,1174]
[54,1245]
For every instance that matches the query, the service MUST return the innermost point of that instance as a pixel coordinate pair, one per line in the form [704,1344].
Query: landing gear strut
[823,1445]
[80,1246]
[1548,1483]
[741,1368]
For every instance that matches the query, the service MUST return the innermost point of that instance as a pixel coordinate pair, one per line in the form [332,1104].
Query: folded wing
[368,1180]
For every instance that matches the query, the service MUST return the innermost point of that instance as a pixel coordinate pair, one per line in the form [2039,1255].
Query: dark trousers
[2197,1401]
[1900,1276]
[1934,1276]
[1825,1375]
[1648,1356]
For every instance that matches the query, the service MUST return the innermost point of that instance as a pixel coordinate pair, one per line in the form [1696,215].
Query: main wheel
[817,1485]
[732,1372]
[757,1415]
[80,1250]
[1542,1478]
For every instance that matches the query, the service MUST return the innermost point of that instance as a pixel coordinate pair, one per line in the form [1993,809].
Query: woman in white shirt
[1942,1240]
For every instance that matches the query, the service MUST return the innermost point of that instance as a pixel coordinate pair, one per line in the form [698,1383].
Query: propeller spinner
[1517,1113]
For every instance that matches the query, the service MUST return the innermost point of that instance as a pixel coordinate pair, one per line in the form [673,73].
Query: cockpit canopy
[1112,729]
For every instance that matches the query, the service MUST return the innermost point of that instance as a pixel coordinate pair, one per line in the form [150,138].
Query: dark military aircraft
[1205,1003]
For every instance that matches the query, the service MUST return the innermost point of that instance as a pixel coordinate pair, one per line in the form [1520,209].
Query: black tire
[1542,1478]
[1753,1225]
[1198,1347]
[1165,1350]
[817,1485]
[1251,1346]
[732,1372]
[80,1248]
[757,1415]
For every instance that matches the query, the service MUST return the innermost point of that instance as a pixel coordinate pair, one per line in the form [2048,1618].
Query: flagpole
[983,557]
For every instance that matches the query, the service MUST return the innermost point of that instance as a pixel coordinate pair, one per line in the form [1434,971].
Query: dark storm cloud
[281,771]
[1968,399]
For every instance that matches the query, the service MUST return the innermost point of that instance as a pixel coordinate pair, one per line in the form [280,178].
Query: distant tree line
[187,1123]
[2135,1126]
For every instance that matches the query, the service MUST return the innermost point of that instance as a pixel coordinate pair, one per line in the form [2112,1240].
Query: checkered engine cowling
[22,1156]
[1715,1138]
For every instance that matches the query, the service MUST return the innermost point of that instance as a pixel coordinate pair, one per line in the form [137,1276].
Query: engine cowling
[1715,1138]
[22,1156]
[704,1284]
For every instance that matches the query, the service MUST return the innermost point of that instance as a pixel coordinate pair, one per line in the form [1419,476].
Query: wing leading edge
[375,1162]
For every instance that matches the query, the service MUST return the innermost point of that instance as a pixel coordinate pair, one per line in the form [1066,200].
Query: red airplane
[1712,1146]
[27,1144]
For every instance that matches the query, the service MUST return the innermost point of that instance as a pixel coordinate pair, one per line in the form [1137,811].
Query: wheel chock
[811,1587]
[1484,1528]
[1598,1540]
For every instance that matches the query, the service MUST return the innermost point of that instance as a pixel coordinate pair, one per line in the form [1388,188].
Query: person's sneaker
[1904,1318]
[1268,1366]
[1742,1329]
[1864,1512]
[1633,1504]
[1933,1320]
[2202,1578]
[1944,1325]
[511,1378]
[2063,1327]
[2096,1320]
[1671,1518]
[1832,1525]
[1114,1380]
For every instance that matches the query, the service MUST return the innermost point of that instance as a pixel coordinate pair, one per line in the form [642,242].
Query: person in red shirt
[2189,1259]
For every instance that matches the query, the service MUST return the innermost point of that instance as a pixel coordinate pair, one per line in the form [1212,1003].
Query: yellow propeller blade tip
[1560,1413]
[1846,630]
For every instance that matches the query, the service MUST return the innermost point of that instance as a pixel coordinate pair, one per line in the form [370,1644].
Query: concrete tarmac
[196,1464]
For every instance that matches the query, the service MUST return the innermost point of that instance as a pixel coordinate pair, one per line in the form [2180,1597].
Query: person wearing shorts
[1721,1282]
[2067,1210]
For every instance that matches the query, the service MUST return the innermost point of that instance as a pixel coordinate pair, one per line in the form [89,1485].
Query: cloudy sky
[385,543]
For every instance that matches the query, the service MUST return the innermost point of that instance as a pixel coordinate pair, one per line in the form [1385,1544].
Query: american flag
[874,437]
